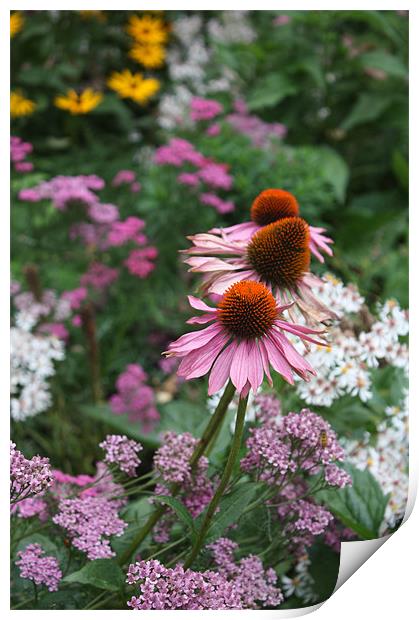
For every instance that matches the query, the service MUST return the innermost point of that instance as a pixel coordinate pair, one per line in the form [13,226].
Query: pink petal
[194,340]
[221,283]
[239,366]
[277,360]
[221,370]
[197,363]
[293,357]
[265,361]
[201,320]
[255,366]
[198,304]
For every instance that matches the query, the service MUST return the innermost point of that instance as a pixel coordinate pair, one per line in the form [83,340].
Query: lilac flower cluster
[268,409]
[40,568]
[302,442]
[255,585]
[259,132]
[177,588]
[99,276]
[90,521]
[28,477]
[135,398]
[213,175]
[172,463]
[171,460]
[19,150]
[123,452]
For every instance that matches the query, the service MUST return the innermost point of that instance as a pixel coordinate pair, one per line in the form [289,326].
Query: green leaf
[401,169]
[269,91]
[324,568]
[361,506]
[121,424]
[367,108]
[182,512]
[335,171]
[383,61]
[102,574]
[231,508]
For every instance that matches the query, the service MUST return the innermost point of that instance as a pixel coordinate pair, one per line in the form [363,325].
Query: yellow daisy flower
[147,29]
[19,105]
[133,86]
[150,56]
[16,23]
[79,103]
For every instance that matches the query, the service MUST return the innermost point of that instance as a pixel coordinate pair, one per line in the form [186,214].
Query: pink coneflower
[246,337]
[277,254]
[268,207]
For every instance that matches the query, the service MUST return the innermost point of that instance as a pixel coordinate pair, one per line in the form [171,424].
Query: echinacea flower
[16,23]
[147,29]
[133,86]
[150,56]
[19,105]
[278,254]
[79,103]
[268,207]
[245,337]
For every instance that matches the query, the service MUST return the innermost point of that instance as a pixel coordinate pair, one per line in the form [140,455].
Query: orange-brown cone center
[280,252]
[247,310]
[272,205]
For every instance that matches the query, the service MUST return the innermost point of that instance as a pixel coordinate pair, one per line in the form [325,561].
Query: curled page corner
[354,554]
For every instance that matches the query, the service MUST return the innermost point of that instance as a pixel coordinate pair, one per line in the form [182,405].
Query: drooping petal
[201,320]
[265,361]
[255,365]
[198,304]
[193,340]
[219,284]
[297,361]
[197,363]
[221,370]
[239,366]
[278,360]
[300,330]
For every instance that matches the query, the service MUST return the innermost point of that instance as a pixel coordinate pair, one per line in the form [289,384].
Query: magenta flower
[205,109]
[222,206]
[123,176]
[99,276]
[245,338]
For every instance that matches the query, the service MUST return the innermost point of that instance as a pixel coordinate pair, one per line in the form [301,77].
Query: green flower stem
[212,427]
[228,470]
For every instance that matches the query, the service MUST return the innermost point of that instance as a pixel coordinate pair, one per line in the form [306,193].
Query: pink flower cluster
[40,568]
[135,398]
[123,452]
[177,588]
[105,228]
[259,132]
[255,585]
[90,521]
[66,191]
[126,177]
[28,477]
[205,109]
[99,276]
[19,150]
[213,175]
[300,442]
